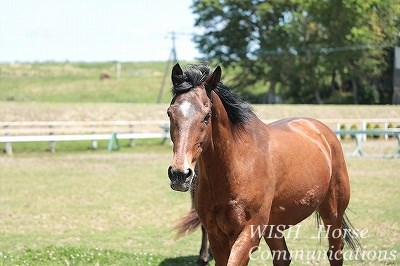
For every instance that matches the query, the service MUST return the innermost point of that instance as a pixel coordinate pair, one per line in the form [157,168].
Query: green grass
[79,82]
[54,255]
[67,82]
[140,146]
[80,202]
[99,208]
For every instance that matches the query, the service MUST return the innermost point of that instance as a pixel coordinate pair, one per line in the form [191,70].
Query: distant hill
[138,82]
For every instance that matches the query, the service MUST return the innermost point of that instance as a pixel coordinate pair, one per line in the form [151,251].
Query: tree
[310,49]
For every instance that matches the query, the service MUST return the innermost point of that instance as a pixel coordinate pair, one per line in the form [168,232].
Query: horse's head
[190,121]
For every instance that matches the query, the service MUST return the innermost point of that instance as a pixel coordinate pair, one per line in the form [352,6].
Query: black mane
[194,75]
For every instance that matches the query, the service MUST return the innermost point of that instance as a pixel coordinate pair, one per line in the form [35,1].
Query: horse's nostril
[179,175]
[189,173]
[171,174]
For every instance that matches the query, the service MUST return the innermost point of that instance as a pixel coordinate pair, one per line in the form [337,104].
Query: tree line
[303,51]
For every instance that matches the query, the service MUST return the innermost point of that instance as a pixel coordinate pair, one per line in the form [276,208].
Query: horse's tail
[349,238]
[348,230]
[188,223]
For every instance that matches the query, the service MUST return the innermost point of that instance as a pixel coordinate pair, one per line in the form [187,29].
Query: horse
[104,76]
[252,174]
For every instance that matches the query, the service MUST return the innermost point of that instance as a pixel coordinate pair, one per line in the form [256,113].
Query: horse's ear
[213,80]
[176,71]
[220,117]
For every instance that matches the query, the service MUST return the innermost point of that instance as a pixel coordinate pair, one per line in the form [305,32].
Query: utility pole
[172,58]
[396,76]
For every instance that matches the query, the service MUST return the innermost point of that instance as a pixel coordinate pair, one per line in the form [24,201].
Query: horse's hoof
[202,262]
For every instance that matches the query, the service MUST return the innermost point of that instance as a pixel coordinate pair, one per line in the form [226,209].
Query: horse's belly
[302,183]
[298,195]
[294,210]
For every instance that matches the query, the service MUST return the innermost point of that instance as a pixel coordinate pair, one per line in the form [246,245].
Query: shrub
[370,127]
[343,135]
[390,125]
[353,127]
[377,127]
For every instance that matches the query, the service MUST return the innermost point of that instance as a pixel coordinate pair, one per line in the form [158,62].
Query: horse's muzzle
[180,181]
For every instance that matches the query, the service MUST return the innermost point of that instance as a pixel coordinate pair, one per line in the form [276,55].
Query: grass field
[72,82]
[80,82]
[73,91]
[98,208]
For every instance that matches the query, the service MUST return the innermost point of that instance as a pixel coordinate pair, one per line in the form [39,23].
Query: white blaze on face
[186,108]
[186,165]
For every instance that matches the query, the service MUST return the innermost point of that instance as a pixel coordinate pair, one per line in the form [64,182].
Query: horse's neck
[218,164]
[215,168]
[228,147]
[222,139]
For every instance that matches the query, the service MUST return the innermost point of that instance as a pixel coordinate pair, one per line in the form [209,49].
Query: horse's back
[304,140]
[305,127]
[287,123]
[301,133]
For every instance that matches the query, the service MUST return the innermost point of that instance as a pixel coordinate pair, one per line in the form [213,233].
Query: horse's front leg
[220,249]
[244,245]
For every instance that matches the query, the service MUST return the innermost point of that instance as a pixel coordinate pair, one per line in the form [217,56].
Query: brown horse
[251,174]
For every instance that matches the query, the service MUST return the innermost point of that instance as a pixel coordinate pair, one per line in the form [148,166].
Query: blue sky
[94,30]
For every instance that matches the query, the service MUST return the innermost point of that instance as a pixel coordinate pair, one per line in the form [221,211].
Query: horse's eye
[207,118]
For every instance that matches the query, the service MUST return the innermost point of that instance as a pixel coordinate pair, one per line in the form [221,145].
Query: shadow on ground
[186,260]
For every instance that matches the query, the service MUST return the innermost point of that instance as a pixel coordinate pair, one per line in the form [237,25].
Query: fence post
[166,132]
[94,142]
[52,144]
[118,69]
[8,147]
[338,128]
[113,144]
[385,127]
[364,127]
[131,141]
[358,149]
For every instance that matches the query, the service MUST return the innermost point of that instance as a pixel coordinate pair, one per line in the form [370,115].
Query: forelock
[193,76]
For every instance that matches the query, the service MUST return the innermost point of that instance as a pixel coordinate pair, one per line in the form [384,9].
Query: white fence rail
[63,127]
[52,139]
[41,138]
[75,127]
[55,131]
[359,135]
